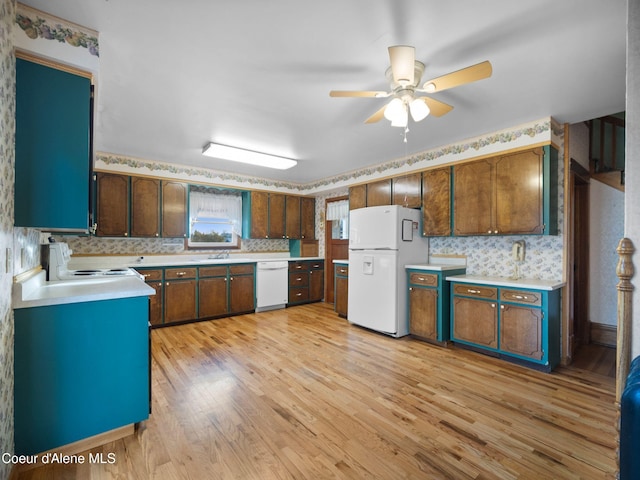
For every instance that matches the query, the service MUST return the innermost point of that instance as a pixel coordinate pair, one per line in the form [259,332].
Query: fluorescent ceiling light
[241,155]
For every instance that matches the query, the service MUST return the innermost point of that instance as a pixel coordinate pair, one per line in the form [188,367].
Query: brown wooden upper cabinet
[507,194]
[112,194]
[379,193]
[436,202]
[407,190]
[174,209]
[292,216]
[275,215]
[145,203]
[308,218]
[357,196]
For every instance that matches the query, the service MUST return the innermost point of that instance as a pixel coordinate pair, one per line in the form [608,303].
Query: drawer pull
[342,270]
[146,275]
[421,279]
[298,294]
[469,290]
[298,267]
[181,274]
[520,297]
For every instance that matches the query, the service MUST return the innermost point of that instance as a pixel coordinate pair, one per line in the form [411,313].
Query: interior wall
[7,162]
[632,158]
[606,228]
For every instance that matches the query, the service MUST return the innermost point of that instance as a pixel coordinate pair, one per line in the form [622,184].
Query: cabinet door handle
[493,305]
[167,284]
[410,289]
[160,285]
[501,307]
[231,278]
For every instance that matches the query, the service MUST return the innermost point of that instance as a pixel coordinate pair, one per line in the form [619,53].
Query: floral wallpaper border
[38,24]
[460,150]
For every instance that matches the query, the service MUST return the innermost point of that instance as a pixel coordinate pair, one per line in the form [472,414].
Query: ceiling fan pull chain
[406,130]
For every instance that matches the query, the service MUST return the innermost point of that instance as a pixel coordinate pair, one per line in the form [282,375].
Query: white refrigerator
[382,240]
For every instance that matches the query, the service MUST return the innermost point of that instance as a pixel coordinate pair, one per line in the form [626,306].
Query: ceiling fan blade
[376,117]
[403,59]
[358,93]
[436,107]
[459,77]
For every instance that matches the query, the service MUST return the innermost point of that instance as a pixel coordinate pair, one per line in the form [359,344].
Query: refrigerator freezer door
[373,292]
[376,227]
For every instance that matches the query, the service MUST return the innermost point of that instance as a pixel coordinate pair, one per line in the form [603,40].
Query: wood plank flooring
[301,394]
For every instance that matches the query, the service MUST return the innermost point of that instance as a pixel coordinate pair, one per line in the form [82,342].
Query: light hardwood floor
[301,394]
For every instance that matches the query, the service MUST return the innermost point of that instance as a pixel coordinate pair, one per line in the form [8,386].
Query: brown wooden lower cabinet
[180,300]
[521,331]
[241,293]
[306,281]
[341,289]
[517,324]
[475,321]
[423,312]
[212,297]
[186,294]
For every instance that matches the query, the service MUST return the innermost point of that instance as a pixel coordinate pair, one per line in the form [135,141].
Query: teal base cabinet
[521,325]
[428,300]
[306,281]
[81,369]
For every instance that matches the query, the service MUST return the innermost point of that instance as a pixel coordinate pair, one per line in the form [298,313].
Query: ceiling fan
[404,76]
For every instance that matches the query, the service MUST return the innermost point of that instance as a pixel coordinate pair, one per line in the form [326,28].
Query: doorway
[336,246]
[579,331]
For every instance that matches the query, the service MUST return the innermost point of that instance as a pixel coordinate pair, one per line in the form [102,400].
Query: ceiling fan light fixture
[394,109]
[419,109]
[401,119]
[234,154]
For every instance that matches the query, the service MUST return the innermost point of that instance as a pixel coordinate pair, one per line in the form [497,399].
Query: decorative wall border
[38,24]
[519,136]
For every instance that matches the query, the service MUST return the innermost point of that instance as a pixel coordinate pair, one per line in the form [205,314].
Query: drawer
[428,279]
[151,275]
[475,291]
[298,279]
[245,269]
[216,271]
[319,265]
[179,273]
[521,296]
[342,270]
[298,295]
[299,266]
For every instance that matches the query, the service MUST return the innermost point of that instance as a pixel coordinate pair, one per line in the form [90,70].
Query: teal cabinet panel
[81,369]
[53,113]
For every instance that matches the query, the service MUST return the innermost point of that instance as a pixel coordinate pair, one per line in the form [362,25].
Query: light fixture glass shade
[241,155]
[394,110]
[419,110]
[401,119]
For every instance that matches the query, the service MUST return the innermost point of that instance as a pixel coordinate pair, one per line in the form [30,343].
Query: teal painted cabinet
[517,324]
[428,298]
[53,158]
[81,369]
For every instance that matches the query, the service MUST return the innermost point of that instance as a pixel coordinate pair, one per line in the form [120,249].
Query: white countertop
[343,261]
[531,283]
[37,292]
[435,266]
[78,263]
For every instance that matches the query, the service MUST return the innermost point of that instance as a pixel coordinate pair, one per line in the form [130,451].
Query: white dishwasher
[272,285]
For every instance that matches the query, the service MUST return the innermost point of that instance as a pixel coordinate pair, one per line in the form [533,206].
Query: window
[338,213]
[216,218]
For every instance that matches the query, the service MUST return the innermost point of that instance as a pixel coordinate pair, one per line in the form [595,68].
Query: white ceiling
[175,75]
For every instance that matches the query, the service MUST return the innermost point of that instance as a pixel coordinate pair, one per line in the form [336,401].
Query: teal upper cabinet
[53,129]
